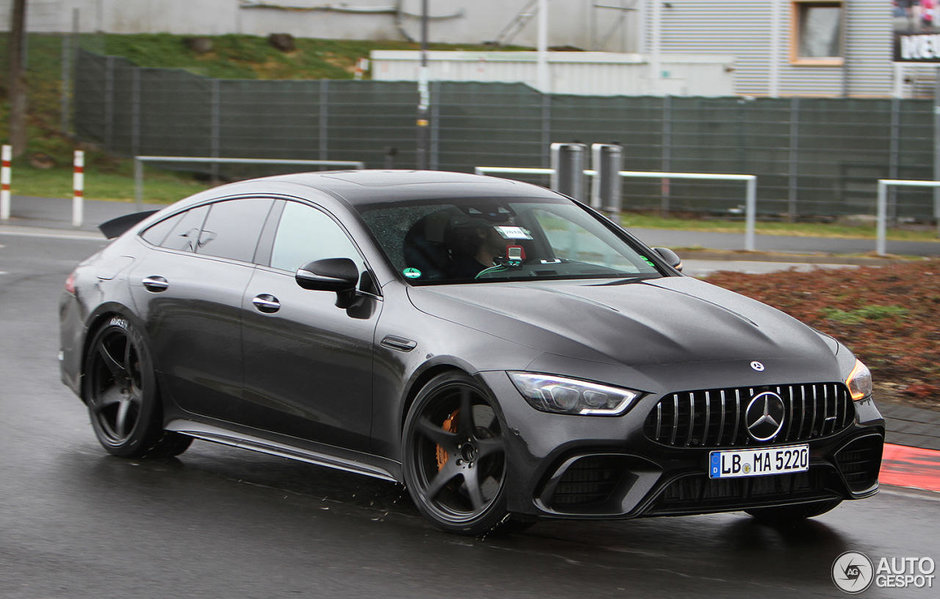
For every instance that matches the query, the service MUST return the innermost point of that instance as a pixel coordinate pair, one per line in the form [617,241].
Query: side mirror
[670,257]
[330,274]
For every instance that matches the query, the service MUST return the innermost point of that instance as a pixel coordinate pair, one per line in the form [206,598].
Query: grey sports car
[504,351]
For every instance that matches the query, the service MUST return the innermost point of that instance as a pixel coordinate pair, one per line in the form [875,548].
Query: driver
[475,246]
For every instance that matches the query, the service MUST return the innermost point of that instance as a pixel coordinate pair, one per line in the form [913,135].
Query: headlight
[569,396]
[859,381]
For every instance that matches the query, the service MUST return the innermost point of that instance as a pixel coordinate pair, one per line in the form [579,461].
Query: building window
[816,32]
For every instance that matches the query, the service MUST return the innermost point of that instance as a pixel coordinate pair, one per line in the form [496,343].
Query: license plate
[758,462]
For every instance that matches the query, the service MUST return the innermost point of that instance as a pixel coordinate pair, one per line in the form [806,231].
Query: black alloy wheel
[454,456]
[119,388]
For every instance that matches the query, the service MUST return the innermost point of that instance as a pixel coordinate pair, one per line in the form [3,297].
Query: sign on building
[916,31]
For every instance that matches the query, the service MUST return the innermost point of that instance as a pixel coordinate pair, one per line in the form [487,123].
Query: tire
[791,514]
[120,390]
[454,456]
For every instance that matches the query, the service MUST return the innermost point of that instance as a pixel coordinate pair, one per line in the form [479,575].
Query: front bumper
[606,467]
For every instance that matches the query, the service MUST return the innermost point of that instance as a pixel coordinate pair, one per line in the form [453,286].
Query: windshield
[483,240]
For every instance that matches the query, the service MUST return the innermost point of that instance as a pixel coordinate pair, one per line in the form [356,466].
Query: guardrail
[883,184]
[750,216]
[140,160]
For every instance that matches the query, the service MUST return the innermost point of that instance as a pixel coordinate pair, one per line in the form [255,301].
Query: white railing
[883,185]
[750,215]
[140,160]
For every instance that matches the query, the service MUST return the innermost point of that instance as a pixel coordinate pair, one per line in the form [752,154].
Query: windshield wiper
[621,280]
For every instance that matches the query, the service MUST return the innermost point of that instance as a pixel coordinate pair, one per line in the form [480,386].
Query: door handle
[267,303]
[399,343]
[155,283]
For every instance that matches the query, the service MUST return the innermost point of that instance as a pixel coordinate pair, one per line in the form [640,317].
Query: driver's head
[470,236]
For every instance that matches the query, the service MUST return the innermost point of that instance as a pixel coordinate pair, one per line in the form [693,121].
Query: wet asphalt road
[221,522]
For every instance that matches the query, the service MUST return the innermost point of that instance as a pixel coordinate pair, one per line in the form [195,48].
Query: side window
[232,228]
[155,234]
[185,233]
[306,234]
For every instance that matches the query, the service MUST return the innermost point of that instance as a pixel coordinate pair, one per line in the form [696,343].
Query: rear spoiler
[117,226]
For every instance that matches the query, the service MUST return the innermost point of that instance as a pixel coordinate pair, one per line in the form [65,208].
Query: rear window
[179,232]
[156,234]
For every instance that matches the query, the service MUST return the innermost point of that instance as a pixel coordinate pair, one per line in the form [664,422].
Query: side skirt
[349,462]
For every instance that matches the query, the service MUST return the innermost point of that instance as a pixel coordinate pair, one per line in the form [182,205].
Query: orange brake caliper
[450,425]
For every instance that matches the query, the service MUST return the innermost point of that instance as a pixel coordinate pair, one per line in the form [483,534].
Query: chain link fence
[813,157]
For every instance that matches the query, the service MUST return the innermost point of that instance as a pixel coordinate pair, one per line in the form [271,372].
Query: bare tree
[18,78]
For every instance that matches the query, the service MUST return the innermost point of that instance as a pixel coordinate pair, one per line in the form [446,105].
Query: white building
[831,48]
[577,23]
[579,73]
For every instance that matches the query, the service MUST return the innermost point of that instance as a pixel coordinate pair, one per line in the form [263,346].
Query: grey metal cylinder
[568,169]
[607,161]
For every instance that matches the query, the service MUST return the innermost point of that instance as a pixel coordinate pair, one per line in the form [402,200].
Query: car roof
[389,186]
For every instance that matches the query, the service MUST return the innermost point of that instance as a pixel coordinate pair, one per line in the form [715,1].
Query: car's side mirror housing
[330,274]
[671,258]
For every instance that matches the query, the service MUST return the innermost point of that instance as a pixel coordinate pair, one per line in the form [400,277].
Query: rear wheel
[121,393]
[454,456]
[789,514]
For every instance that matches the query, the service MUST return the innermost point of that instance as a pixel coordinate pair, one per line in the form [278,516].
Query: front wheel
[120,391]
[454,456]
[791,514]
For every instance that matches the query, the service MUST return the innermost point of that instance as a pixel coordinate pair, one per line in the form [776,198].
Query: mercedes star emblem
[764,416]
[757,366]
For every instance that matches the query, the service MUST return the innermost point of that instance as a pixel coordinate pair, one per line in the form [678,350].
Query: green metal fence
[811,156]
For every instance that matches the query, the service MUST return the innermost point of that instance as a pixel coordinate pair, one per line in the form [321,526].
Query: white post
[882,212]
[936,212]
[542,74]
[882,217]
[138,184]
[5,183]
[751,216]
[78,188]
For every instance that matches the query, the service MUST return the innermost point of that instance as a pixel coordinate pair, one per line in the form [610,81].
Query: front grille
[715,417]
[860,462]
[698,493]
[589,481]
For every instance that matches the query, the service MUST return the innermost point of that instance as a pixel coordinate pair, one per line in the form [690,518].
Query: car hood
[650,326]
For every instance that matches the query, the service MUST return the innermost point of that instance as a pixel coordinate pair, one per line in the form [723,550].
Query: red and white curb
[911,467]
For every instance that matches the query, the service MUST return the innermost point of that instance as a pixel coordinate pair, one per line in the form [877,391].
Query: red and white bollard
[362,65]
[78,188]
[5,183]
